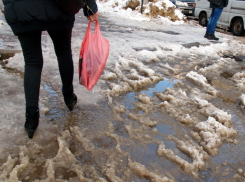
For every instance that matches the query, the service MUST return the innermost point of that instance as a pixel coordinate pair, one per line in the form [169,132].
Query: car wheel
[203,20]
[237,27]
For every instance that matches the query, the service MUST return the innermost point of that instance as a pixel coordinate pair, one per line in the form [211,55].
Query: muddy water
[149,123]
[144,152]
[106,129]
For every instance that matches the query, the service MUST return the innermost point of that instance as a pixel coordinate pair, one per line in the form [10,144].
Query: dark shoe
[212,37]
[32,120]
[206,35]
[70,101]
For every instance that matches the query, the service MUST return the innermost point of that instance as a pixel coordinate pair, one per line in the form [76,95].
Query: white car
[185,6]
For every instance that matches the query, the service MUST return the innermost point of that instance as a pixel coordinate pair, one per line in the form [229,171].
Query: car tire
[237,27]
[203,20]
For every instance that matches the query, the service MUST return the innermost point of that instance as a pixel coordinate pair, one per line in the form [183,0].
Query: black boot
[206,35]
[69,97]
[70,100]
[212,37]
[32,120]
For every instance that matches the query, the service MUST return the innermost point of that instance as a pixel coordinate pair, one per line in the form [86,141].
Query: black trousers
[32,51]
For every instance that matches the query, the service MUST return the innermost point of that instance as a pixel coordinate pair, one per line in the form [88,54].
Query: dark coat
[223,4]
[38,15]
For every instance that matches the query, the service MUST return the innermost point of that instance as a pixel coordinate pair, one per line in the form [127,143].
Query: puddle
[120,31]
[54,112]
[159,87]
[241,57]
[111,28]
[167,49]
[119,129]
[169,144]
[237,58]
[207,176]
[145,48]
[146,154]
[161,31]
[215,42]
[165,129]
[104,142]
[130,97]
[170,32]
[193,44]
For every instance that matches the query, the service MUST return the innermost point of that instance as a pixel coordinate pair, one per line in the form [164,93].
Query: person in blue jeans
[217,8]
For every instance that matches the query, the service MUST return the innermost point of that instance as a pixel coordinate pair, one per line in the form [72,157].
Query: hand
[93,17]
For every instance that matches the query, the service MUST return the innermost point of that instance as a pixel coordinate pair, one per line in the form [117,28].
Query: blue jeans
[213,19]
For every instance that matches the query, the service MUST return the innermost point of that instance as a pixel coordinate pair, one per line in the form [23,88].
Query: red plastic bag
[93,56]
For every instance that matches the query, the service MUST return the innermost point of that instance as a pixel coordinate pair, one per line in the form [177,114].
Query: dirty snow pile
[162,10]
[138,76]
[184,103]
[243,99]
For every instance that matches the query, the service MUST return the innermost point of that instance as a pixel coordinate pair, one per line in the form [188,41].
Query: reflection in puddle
[165,129]
[172,145]
[54,112]
[207,176]
[237,58]
[159,87]
[104,142]
[146,154]
[129,97]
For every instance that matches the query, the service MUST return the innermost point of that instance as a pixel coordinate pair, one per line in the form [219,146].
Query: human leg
[210,21]
[62,45]
[216,15]
[32,52]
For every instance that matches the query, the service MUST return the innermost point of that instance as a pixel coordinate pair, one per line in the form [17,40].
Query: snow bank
[164,10]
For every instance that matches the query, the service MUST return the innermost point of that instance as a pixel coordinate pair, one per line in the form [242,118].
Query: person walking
[27,19]
[217,8]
